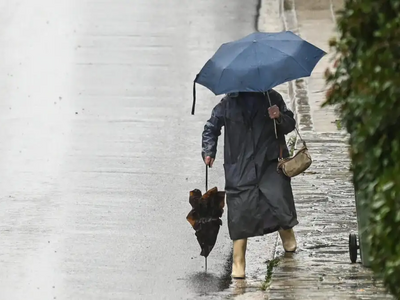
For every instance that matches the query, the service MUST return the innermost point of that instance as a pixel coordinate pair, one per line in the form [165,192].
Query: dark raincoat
[259,198]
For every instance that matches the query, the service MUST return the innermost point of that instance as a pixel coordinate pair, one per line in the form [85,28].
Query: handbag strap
[276,132]
[301,139]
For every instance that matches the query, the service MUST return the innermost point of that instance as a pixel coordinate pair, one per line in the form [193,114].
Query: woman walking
[259,198]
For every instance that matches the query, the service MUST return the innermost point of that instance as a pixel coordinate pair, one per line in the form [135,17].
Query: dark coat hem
[266,231]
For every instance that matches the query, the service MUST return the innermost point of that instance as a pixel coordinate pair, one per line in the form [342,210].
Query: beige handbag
[297,164]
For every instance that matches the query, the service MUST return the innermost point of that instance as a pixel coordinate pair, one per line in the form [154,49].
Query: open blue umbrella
[257,63]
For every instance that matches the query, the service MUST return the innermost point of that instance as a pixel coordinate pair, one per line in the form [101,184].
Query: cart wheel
[353,247]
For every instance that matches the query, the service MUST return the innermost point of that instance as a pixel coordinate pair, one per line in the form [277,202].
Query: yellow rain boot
[239,259]
[288,240]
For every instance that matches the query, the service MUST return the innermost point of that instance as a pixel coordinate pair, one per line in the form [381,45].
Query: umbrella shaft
[270,104]
[206,178]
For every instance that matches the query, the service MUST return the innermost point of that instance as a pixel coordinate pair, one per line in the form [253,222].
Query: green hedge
[365,86]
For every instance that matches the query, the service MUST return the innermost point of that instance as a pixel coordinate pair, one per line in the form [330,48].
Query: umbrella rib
[258,63]
[290,57]
[219,80]
[222,73]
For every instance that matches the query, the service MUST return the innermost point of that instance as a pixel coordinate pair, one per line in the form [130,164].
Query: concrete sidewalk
[321,268]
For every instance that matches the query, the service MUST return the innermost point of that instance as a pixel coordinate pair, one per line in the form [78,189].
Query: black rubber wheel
[353,247]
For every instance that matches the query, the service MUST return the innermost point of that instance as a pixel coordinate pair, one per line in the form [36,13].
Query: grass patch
[292,143]
[270,269]
[339,125]
[338,121]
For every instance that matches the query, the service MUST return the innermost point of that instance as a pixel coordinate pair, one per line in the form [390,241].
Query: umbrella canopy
[205,217]
[257,63]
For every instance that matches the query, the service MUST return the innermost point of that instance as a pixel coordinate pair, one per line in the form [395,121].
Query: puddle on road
[207,285]
[212,286]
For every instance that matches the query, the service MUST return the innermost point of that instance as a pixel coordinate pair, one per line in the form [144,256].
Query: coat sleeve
[212,130]
[286,122]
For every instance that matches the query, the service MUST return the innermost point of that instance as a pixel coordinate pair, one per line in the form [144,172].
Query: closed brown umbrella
[205,217]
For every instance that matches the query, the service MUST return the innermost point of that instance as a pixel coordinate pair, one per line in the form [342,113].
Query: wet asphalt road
[98,148]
